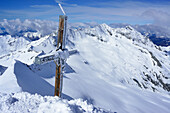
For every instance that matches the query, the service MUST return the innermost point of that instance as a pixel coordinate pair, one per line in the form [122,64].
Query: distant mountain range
[157,34]
[34,29]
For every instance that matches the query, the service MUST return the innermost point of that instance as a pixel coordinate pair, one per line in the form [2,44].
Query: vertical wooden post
[60,32]
[57,80]
[60,45]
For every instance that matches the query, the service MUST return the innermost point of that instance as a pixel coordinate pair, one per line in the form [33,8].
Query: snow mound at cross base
[25,102]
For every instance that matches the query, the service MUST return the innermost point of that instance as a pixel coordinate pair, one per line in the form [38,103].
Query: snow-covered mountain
[157,34]
[34,29]
[116,69]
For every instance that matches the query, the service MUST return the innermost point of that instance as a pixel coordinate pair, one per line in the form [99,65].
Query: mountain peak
[104,25]
[130,28]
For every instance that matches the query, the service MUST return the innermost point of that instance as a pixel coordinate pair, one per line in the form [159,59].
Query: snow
[26,103]
[148,29]
[9,44]
[115,70]
[8,81]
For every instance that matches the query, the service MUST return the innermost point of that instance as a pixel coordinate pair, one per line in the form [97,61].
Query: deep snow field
[114,70]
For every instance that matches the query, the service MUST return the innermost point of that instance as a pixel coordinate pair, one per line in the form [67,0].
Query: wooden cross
[60,62]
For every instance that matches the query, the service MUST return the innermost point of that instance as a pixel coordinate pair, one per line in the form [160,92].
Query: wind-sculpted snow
[115,69]
[27,103]
[93,89]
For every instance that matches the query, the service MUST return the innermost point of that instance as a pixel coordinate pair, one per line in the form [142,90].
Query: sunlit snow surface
[25,102]
[118,70]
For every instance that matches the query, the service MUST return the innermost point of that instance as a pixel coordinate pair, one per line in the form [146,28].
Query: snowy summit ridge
[116,69]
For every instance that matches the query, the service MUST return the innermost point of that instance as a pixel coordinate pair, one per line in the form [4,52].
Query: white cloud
[42,6]
[133,12]
[159,17]
[123,12]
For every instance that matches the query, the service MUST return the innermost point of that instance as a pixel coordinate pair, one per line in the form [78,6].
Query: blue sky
[101,11]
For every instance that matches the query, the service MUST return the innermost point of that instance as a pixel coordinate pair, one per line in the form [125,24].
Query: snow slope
[115,69]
